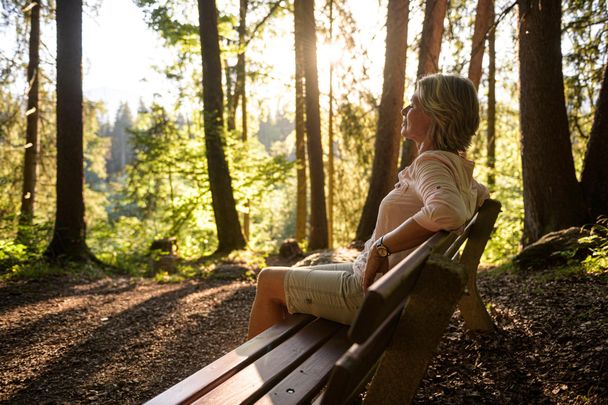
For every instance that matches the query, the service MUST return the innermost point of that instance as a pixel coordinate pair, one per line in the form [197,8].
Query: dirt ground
[121,340]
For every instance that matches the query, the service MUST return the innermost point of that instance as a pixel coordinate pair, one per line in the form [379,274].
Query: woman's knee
[270,283]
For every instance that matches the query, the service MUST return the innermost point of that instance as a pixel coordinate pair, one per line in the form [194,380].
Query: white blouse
[437,190]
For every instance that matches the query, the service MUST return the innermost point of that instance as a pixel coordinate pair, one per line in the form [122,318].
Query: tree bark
[224,207]
[69,233]
[241,81]
[30,164]
[595,170]
[430,41]
[317,238]
[483,22]
[428,59]
[301,185]
[552,196]
[491,138]
[230,98]
[330,138]
[386,147]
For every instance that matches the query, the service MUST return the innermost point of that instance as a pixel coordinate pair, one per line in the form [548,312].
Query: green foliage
[505,241]
[597,242]
[12,254]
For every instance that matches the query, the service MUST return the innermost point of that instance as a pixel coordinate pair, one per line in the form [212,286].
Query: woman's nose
[406,110]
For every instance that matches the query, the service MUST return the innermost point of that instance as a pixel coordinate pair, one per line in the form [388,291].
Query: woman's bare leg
[269,305]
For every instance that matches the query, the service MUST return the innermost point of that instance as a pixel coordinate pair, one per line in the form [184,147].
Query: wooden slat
[352,369]
[390,290]
[451,251]
[307,380]
[251,383]
[423,322]
[220,370]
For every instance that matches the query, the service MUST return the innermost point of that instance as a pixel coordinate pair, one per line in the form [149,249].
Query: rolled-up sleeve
[443,205]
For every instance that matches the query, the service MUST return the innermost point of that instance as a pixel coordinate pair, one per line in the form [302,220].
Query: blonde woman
[437,191]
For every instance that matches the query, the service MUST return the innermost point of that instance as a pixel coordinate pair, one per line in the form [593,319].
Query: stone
[554,249]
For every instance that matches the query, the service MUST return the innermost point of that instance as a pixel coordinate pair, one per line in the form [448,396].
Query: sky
[118,32]
[119,52]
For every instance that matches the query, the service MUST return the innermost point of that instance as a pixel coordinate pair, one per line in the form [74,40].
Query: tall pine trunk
[241,86]
[317,238]
[330,138]
[428,59]
[552,195]
[224,207]
[595,169]
[69,233]
[483,21]
[301,185]
[30,163]
[386,147]
[491,135]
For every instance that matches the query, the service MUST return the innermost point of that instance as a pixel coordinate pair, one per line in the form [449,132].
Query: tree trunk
[595,170]
[428,59]
[69,233]
[483,22]
[241,81]
[300,127]
[30,163]
[430,41]
[386,147]
[317,238]
[224,208]
[552,196]
[491,139]
[230,98]
[330,136]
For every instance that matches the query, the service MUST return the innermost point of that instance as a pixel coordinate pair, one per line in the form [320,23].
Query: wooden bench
[305,359]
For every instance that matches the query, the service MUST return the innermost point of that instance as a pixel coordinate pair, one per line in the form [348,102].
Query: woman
[437,191]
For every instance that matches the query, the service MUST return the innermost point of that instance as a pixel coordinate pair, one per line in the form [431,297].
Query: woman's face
[416,122]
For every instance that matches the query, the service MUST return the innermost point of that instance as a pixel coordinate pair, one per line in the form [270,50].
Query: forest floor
[124,340]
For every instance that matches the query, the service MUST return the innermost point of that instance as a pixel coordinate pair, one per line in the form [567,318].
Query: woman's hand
[375,265]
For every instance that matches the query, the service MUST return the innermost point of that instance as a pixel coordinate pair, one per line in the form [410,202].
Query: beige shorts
[330,291]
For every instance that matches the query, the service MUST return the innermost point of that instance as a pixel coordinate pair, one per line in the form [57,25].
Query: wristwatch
[382,249]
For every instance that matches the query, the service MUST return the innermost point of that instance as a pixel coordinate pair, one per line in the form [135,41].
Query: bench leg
[424,320]
[472,309]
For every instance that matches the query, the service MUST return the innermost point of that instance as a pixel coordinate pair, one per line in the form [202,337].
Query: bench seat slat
[307,380]
[252,382]
[226,366]
[358,361]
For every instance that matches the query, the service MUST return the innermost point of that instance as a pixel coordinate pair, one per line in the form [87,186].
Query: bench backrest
[384,303]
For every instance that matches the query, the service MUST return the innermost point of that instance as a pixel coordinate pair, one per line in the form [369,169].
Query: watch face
[382,250]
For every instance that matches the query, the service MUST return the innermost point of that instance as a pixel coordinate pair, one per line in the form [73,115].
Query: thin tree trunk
[241,79]
[595,170]
[386,147]
[428,59]
[330,133]
[430,41]
[30,163]
[69,233]
[483,22]
[224,207]
[301,186]
[317,238]
[230,98]
[552,196]
[491,140]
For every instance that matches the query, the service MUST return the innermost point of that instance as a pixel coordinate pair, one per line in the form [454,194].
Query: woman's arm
[406,236]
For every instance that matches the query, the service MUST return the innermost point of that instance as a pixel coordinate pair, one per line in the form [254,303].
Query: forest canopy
[270,129]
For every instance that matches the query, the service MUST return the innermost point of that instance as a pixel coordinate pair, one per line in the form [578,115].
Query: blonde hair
[451,102]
